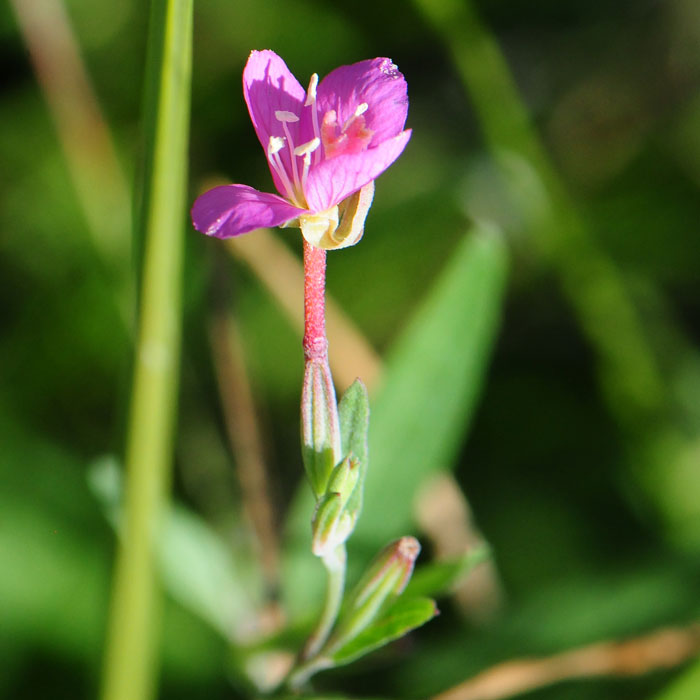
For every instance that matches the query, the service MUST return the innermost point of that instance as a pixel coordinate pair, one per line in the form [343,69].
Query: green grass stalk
[130,670]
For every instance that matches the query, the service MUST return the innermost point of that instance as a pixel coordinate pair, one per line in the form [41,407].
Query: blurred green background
[581,462]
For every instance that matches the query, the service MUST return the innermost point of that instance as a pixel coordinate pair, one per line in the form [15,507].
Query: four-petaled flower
[325,146]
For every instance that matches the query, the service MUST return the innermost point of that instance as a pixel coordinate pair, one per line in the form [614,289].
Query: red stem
[315,342]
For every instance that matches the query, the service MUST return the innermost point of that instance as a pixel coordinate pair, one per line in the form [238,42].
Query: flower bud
[384,580]
[344,478]
[325,524]
[320,428]
[333,522]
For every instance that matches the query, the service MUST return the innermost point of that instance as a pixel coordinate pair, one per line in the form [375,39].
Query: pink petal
[230,210]
[331,181]
[269,86]
[376,82]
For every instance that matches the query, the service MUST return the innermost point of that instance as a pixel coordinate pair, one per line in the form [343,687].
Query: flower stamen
[274,146]
[311,92]
[287,118]
[311,102]
[306,150]
[361,109]
[309,147]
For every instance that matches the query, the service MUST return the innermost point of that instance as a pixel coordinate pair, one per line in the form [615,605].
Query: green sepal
[404,615]
[440,578]
[353,415]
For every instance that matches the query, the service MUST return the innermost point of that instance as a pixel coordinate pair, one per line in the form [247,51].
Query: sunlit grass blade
[131,661]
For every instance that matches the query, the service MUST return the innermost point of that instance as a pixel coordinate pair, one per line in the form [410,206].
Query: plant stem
[131,660]
[335,564]
[315,341]
[316,355]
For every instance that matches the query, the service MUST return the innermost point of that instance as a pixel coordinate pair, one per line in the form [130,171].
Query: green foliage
[438,578]
[403,616]
[686,687]
[353,410]
[432,381]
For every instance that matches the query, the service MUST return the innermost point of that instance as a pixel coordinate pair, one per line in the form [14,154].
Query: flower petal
[269,87]
[230,210]
[331,181]
[376,82]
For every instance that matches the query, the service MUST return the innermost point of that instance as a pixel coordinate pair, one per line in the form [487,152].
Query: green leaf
[353,411]
[200,571]
[439,578]
[405,615]
[687,687]
[431,384]
[198,568]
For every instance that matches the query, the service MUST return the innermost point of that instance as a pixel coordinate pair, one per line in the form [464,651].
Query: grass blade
[131,663]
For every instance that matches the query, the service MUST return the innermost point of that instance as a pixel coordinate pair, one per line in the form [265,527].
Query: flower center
[353,136]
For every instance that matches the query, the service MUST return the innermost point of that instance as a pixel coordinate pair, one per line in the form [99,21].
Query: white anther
[307,148]
[361,109]
[275,145]
[283,116]
[311,92]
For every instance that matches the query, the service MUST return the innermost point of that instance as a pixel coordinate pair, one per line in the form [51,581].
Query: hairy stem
[315,342]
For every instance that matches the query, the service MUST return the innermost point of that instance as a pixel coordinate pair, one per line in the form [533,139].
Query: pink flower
[325,146]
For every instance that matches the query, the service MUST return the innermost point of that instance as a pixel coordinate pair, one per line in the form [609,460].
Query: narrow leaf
[354,426]
[439,578]
[197,567]
[432,381]
[405,615]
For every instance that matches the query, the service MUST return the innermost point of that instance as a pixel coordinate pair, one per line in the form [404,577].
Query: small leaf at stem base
[403,616]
